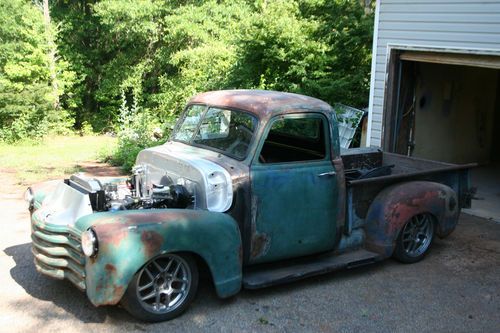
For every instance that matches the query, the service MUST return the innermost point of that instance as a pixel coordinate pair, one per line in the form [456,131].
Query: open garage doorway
[446,107]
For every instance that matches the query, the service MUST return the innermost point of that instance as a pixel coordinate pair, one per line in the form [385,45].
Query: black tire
[161,276]
[415,238]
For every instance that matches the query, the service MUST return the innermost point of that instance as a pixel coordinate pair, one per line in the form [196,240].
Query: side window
[294,139]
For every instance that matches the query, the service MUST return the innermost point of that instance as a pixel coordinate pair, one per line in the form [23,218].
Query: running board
[266,275]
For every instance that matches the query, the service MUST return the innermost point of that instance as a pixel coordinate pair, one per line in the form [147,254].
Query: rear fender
[129,239]
[395,205]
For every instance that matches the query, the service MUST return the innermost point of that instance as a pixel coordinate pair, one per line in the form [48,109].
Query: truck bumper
[57,251]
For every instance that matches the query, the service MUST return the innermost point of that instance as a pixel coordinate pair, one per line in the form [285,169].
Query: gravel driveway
[455,289]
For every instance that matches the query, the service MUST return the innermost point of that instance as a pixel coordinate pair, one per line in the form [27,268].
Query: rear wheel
[163,288]
[415,239]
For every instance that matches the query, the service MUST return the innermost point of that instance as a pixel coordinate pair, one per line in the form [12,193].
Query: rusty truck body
[253,186]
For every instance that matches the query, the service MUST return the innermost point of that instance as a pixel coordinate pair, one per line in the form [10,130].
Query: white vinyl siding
[471,26]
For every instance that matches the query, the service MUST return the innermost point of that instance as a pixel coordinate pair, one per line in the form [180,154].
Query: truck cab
[253,185]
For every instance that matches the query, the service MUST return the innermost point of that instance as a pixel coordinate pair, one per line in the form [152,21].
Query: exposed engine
[135,193]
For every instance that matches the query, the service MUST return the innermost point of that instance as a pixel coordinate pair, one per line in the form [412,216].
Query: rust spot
[115,295]
[405,204]
[260,245]
[152,242]
[99,286]
[259,102]
[111,233]
[110,268]
[341,185]
[260,241]
[396,205]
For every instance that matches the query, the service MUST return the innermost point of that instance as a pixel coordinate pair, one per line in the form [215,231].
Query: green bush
[28,103]
[138,129]
[171,50]
[156,54]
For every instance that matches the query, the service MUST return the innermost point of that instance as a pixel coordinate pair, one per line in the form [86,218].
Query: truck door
[294,189]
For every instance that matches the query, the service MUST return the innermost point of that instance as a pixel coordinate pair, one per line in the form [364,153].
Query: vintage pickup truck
[252,187]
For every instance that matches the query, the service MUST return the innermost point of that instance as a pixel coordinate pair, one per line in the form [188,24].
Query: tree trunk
[52,51]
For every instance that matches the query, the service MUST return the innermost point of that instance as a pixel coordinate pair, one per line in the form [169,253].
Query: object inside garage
[446,107]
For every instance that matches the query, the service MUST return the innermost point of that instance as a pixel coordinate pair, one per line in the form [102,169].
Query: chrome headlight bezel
[90,245]
[29,197]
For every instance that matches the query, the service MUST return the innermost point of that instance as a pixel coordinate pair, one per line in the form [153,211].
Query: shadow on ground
[61,293]
[64,295]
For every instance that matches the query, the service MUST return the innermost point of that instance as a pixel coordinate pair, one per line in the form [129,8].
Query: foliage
[24,94]
[165,52]
[138,130]
[153,55]
[26,99]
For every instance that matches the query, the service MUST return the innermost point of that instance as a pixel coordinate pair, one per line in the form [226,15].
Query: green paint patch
[52,158]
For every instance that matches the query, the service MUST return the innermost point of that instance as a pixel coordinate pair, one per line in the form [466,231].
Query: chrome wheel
[164,284]
[417,235]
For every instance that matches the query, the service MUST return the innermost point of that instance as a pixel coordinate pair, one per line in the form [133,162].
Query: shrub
[139,129]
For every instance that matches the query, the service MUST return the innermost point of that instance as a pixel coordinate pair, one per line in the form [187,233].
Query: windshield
[227,131]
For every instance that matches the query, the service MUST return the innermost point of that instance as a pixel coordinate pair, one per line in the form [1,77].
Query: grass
[52,158]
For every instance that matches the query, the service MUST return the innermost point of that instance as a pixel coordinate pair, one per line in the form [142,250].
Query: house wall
[447,25]
[495,144]
[455,112]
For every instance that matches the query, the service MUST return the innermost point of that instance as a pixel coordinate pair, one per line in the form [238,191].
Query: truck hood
[207,181]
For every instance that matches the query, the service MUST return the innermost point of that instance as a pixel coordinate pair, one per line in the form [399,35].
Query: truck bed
[369,170]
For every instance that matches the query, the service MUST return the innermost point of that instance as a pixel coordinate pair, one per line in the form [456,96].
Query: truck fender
[129,239]
[396,204]
[41,190]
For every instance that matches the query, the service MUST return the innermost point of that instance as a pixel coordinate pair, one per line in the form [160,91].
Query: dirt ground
[455,289]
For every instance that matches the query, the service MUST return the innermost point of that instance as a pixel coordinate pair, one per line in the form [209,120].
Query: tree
[52,49]
[25,97]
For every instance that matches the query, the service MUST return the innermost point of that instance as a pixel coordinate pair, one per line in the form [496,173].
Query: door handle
[327,174]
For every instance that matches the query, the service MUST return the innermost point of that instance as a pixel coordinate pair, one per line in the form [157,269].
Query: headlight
[219,192]
[89,243]
[29,197]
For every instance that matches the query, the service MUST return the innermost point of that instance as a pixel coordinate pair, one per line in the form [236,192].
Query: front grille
[58,253]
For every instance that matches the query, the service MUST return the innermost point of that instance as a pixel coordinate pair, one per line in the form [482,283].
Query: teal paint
[294,212]
[351,242]
[294,209]
[129,239]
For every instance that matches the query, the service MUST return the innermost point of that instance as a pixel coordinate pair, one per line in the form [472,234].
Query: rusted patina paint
[138,236]
[260,244]
[259,102]
[152,242]
[395,205]
[296,210]
[112,234]
[259,241]
[110,268]
[341,185]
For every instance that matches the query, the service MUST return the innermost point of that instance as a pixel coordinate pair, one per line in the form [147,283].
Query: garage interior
[446,107]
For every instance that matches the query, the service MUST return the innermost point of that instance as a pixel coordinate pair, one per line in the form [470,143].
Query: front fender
[395,205]
[129,239]
[42,190]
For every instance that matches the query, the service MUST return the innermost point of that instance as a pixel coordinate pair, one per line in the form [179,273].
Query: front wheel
[163,288]
[415,238]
